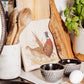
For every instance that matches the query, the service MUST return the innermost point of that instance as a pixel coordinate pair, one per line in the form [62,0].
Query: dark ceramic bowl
[52,72]
[70,65]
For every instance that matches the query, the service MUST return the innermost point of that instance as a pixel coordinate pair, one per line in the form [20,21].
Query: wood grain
[3,27]
[60,34]
[10,6]
[40,8]
[12,27]
[24,18]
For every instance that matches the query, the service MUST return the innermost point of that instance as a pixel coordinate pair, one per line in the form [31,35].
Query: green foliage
[66,12]
[82,12]
[77,1]
[82,1]
[75,19]
[79,7]
[68,18]
[75,16]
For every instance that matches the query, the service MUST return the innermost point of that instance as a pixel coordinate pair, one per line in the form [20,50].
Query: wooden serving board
[2,27]
[40,8]
[10,6]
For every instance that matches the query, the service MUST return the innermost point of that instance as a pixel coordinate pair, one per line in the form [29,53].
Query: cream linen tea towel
[37,45]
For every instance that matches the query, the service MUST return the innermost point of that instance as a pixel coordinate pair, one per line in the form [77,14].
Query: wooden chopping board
[40,8]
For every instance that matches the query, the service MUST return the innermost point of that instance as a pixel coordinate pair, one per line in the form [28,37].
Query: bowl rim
[77,63]
[51,70]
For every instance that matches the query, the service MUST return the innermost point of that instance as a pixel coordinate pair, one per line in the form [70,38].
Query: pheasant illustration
[48,46]
[47,49]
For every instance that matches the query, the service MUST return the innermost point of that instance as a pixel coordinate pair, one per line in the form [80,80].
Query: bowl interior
[52,67]
[70,61]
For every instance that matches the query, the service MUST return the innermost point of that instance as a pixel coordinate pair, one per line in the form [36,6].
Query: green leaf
[77,1]
[77,32]
[74,25]
[82,13]
[82,1]
[79,8]
[66,23]
[81,17]
[69,26]
[67,11]
[68,19]
[73,8]
[76,18]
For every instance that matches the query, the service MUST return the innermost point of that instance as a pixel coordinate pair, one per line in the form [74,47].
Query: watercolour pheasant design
[48,46]
[47,49]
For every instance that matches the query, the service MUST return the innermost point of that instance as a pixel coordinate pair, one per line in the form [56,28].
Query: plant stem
[80,25]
